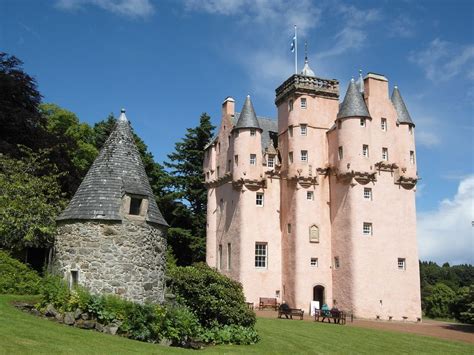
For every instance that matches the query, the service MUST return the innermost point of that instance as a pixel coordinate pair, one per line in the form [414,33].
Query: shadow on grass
[466,328]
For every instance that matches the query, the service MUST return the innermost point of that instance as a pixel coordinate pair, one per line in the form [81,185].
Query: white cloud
[402,26]
[129,8]
[447,234]
[427,139]
[443,60]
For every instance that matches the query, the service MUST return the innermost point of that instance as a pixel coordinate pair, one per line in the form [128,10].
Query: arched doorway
[318,294]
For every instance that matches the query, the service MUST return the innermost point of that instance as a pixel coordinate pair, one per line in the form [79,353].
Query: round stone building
[111,236]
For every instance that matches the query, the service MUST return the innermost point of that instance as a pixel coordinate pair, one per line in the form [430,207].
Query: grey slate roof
[353,104]
[247,118]
[403,117]
[269,129]
[117,170]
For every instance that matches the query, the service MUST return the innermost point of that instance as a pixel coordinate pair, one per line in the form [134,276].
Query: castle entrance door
[318,295]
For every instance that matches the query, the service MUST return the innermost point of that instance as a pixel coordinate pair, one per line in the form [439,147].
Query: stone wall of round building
[124,258]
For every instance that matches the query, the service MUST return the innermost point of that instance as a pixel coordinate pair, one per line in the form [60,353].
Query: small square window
[290,131]
[304,129]
[252,132]
[362,122]
[402,264]
[367,228]
[135,205]
[271,161]
[290,157]
[74,278]
[383,124]
[303,102]
[259,199]
[314,262]
[365,150]
[288,228]
[385,154]
[412,157]
[290,105]
[261,255]
[367,193]
[340,152]
[310,195]
[336,262]
[253,159]
[304,156]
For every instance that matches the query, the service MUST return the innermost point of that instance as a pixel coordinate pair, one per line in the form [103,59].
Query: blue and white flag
[293,43]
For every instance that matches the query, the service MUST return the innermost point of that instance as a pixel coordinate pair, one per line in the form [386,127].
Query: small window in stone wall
[74,278]
[135,205]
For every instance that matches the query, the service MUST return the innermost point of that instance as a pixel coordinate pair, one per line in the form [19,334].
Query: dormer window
[252,132]
[362,122]
[135,206]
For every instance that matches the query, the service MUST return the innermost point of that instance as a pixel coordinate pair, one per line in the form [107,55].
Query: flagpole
[296,52]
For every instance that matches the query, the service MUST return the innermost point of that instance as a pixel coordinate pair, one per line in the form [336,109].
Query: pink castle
[320,204]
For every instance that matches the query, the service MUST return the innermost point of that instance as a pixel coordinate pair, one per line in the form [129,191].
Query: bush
[55,291]
[439,303]
[181,326]
[212,296]
[230,334]
[16,277]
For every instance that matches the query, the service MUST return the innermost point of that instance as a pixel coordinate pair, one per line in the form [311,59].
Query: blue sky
[166,62]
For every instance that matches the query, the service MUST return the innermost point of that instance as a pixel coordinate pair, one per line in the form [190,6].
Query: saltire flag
[293,43]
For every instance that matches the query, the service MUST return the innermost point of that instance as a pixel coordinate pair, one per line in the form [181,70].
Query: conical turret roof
[403,117]
[117,170]
[307,71]
[353,104]
[247,118]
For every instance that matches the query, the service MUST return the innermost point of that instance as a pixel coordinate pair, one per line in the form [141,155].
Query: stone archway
[319,294]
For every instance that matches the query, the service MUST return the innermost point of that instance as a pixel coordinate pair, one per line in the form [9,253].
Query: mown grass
[22,333]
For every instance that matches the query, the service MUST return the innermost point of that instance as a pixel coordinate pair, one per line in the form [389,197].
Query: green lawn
[24,333]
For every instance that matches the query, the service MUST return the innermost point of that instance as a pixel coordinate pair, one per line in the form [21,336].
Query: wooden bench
[290,312]
[338,316]
[268,302]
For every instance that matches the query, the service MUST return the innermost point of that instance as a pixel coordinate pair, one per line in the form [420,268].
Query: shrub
[230,334]
[181,325]
[213,297]
[55,291]
[439,303]
[16,277]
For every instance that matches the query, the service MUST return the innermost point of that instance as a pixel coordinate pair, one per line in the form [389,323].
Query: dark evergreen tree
[186,169]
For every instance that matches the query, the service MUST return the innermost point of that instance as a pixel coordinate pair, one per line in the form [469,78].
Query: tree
[30,200]
[186,165]
[463,305]
[439,303]
[20,120]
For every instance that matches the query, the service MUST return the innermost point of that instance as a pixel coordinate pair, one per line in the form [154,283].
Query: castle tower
[111,236]
[306,108]
[373,213]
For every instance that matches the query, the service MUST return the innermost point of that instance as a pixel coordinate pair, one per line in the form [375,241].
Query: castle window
[385,154]
[340,152]
[288,228]
[383,124]
[135,205]
[367,193]
[271,161]
[219,257]
[365,150]
[410,129]
[304,156]
[236,159]
[218,168]
[229,256]
[304,129]
[261,255]
[290,157]
[290,105]
[259,199]
[402,264]
[253,159]
[367,228]
[74,278]
[252,132]
[336,262]
[412,157]
[314,262]
[303,102]
[310,195]
[290,131]
[362,122]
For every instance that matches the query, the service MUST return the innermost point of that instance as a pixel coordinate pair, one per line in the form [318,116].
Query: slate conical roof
[403,117]
[353,104]
[247,118]
[117,170]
